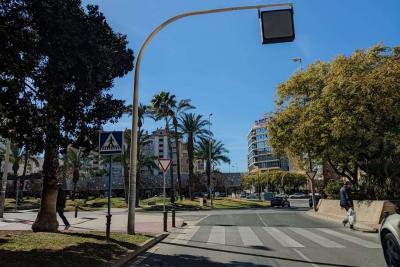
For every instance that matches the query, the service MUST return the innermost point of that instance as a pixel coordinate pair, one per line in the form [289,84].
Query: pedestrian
[346,202]
[61,200]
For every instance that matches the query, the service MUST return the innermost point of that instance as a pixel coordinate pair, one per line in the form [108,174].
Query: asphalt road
[268,237]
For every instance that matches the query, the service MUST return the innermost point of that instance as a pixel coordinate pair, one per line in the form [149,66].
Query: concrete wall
[368,213]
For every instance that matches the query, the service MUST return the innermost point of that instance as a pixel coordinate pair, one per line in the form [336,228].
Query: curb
[145,246]
[357,226]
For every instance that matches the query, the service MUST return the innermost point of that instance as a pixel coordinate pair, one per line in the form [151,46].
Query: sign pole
[165,213]
[109,201]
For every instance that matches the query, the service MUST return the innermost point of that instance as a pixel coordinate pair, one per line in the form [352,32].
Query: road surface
[270,237]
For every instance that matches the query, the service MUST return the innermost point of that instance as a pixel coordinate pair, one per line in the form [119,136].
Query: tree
[162,105]
[204,147]
[345,113]
[144,160]
[177,111]
[56,79]
[75,162]
[193,126]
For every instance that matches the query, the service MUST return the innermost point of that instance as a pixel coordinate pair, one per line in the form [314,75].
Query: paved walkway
[93,221]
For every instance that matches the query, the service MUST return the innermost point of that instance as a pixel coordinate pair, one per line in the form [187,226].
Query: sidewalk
[93,221]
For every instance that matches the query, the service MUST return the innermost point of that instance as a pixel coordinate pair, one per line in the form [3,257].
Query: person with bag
[346,202]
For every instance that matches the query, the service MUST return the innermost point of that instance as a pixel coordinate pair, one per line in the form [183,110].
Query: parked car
[243,195]
[390,239]
[282,195]
[298,195]
[279,202]
[222,194]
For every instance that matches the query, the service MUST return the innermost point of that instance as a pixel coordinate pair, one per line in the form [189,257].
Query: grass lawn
[25,248]
[96,204]
[155,203]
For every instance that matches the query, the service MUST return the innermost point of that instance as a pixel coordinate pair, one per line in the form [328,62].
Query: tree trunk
[4,178]
[178,161]
[208,171]
[46,220]
[171,171]
[191,167]
[23,177]
[126,183]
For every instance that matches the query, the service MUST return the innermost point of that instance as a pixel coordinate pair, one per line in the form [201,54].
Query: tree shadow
[125,244]
[85,254]
[185,260]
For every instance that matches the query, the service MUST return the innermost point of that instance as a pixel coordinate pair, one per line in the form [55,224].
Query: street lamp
[298,59]
[274,28]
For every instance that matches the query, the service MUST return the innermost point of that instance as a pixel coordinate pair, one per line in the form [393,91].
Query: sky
[218,61]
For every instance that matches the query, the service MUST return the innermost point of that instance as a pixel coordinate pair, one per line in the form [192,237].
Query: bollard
[173,217]
[165,220]
[76,210]
[108,226]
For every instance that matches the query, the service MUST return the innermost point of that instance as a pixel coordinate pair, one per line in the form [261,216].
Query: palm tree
[218,154]
[144,161]
[177,111]
[20,155]
[193,126]
[75,161]
[162,105]
[124,158]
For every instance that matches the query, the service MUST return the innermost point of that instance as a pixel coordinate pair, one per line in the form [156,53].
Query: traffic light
[277,26]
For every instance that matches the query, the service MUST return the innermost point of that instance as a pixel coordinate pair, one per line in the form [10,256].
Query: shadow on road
[198,259]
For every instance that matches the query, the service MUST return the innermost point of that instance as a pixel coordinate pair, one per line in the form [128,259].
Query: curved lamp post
[133,152]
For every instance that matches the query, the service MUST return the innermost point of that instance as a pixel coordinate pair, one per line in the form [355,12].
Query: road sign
[164,164]
[110,143]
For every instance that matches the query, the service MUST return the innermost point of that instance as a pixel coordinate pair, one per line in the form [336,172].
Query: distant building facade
[260,153]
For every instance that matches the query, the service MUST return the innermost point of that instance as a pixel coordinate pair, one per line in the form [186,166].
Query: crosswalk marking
[316,238]
[282,238]
[186,235]
[353,239]
[217,235]
[248,237]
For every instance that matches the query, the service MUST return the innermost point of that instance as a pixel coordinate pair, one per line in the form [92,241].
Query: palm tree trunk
[23,177]
[171,171]
[4,178]
[208,170]
[178,161]
[191,167]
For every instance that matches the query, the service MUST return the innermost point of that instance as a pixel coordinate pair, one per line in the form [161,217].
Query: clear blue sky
[218,60]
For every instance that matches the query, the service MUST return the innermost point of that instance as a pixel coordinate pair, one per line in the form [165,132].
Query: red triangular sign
[164,164]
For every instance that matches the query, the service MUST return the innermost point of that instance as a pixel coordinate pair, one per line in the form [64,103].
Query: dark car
[279,202]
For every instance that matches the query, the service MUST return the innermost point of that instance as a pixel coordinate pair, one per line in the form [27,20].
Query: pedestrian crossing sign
[110,143]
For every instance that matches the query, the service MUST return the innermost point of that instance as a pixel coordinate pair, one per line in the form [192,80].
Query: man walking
[61,200]
[346,202]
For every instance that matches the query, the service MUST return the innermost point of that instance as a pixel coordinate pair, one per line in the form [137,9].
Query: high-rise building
[260,153]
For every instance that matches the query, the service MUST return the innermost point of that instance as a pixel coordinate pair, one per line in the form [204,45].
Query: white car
[298,195]
[390,239]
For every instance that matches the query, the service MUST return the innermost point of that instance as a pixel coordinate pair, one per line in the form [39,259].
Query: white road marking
[186,235]
[305,257]
[217,235]
[282,238]
[325,242]
[261,219]
[350,238]
[248,237]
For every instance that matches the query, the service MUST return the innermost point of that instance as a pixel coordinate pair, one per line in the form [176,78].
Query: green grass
[95,204]
[24,248]
[27,203]
[219,203]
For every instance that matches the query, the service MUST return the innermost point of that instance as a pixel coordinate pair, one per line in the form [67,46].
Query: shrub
[332,189]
